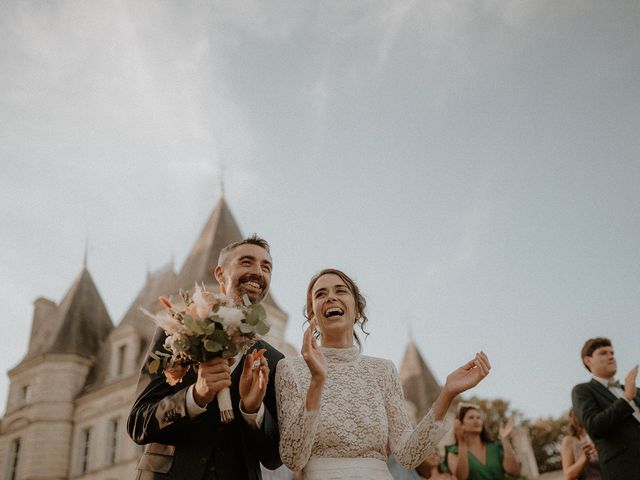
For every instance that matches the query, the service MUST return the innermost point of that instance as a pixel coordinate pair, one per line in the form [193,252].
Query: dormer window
[124,345]
[121,358]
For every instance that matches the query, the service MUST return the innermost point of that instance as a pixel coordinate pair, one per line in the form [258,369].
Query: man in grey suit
[610,411]
[181,424]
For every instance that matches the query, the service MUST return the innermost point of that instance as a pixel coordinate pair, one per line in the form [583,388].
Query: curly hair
[361,303]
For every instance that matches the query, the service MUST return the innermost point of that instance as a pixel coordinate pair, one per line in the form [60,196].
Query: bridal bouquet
[206,325]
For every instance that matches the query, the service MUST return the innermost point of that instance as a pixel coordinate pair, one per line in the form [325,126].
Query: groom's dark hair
[253,239]
[591,346]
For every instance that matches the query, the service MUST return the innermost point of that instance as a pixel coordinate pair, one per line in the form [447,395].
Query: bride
[340,412]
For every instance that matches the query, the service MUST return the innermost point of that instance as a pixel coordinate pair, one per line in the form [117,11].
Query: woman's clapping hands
[312,355]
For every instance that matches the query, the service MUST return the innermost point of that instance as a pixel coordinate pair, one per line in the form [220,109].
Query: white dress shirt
[619,393]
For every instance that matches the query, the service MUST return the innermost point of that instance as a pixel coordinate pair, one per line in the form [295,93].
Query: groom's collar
[603,381]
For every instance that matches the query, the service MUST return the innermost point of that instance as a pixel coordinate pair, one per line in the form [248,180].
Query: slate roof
[78,325]
[418,383]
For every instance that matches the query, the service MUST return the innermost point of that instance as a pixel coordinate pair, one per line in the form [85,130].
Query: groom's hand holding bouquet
[206,332]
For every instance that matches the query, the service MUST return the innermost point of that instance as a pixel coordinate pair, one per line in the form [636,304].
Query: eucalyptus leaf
[253,316]
[246,328]
[219,336]
[202,325]
[212,346]
[189,324]
[262,327]
[262,313]
[196,326]
[209,329]
[154,365]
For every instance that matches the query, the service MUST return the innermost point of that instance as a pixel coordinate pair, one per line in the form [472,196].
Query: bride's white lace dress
[362,411]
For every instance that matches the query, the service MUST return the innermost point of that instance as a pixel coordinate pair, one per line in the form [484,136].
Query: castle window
[25,394]
[12,459]
[112,441]
[85,441]
[122,355]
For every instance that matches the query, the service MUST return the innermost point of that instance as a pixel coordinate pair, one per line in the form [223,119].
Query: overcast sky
[474,165]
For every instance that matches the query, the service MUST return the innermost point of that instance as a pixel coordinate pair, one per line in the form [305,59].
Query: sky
[473,165]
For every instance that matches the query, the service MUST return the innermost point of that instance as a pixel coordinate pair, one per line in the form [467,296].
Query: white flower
[201,303]
[231,317]
[169,342]
[165,321]
[177,344]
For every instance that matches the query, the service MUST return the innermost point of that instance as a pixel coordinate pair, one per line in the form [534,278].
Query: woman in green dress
[475,456]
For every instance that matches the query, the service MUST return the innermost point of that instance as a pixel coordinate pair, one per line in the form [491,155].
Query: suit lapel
[235,382]
[598,387]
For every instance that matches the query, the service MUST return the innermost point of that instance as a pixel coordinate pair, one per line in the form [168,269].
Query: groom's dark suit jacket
[179,447]
[610,424]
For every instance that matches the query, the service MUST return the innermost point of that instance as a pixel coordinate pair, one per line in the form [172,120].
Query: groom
[609,411]
[181,423]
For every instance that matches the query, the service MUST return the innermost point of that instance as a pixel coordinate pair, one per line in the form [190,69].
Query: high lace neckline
[341,355]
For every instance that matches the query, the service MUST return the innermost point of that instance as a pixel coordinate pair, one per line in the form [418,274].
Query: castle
[69,397]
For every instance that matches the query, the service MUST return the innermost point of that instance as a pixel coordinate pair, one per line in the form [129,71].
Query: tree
[546,435]
[495,412]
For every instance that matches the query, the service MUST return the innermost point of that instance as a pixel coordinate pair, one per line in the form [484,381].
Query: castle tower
[36,431]
[418,383]
[69,398]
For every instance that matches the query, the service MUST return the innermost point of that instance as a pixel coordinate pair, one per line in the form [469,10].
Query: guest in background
[475,456]
[609,411]
[578,453]
[432,468]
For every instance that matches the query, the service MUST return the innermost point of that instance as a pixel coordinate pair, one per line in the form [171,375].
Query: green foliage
[546,436]
[203,329]
[495,410]
[154,365]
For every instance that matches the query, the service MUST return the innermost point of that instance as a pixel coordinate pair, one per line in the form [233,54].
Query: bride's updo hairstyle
[361,303]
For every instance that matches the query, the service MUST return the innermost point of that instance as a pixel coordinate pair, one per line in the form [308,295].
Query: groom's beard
[254,295]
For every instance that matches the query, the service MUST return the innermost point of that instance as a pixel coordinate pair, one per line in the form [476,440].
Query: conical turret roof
[220,230]
[419,385]
[78,325]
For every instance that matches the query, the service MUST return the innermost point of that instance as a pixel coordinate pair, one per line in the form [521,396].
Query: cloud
[461,249]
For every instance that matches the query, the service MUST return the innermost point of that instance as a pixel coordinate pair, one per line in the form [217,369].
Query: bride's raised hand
[468,375]
[312,355]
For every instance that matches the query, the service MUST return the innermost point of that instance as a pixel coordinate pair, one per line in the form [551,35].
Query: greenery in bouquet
[204,325]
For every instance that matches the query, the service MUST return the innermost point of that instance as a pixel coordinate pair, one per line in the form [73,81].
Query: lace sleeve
[297,425]
[410,446]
